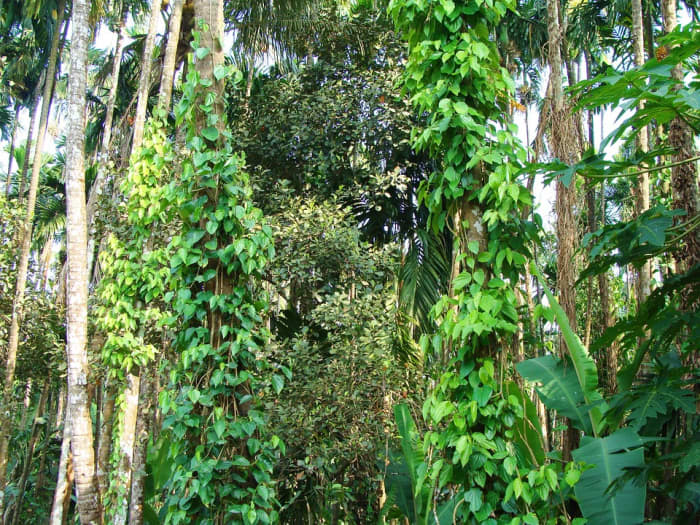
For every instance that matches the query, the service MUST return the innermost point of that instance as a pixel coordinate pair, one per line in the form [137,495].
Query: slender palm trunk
[34,110]
[23,266]
[104,447]
[77,285]
[96,188]
[684,176]
[48,432]
[127,435]
[29,454]
[145,78]
[168,74]
[127,430]
[10,158]
[641,188]
[140,448]
[565,141]
[65,479]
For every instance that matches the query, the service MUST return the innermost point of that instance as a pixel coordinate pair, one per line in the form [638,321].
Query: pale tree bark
[565,140]
[29,454]
[684,176]
[127,429]
[169,62]
[77,285]
[641,188]
[96,188]
[25,248]
[11,155]
[104,447]
[26,404]
[127,436]
[65,477]
[141,448]
[145,77]
[34,111]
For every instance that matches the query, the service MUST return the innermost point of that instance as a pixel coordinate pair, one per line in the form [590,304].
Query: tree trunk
[607,372]
[48,432]
[169,63]
[565,141]
[23,265]
[34,110]
[10,158]
[104,447]
[641,188]
[77,285]
[684,177]
[141,449]
[21,487]
[145,78]
[27,403]
[127,435]
[96,188]
[65,478]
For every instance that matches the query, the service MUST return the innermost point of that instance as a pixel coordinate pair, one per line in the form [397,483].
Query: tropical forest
[343,262]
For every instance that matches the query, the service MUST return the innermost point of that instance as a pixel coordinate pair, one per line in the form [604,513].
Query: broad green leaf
[585,367]
[601,503]
[560,388]
[210,133]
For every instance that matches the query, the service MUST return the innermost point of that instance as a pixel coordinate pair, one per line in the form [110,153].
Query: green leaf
[527,432]
[585,367]
[624,503]
[201,52]
[277,383]
[560,388]
[220,427]
[194,395]
[210,133]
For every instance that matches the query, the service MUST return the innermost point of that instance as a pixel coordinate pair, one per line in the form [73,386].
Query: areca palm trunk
[641,188]
[77,278]
[145,77]
[127,428]
[144,401]
[25,248]
[34,111]
[10,157]
[30,452]
[167,76]
[684,176]
[565,142]
[64,480]
[96,187]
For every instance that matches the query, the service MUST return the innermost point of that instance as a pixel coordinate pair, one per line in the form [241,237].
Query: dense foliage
[323,283]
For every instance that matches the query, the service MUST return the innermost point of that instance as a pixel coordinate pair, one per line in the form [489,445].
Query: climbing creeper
[221,460]
[480,467]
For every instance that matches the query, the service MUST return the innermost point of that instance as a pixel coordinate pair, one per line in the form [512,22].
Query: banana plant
[570,386]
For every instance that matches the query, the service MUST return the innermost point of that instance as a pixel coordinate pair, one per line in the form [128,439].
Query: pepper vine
[222,462]
[479,460]
[202,285]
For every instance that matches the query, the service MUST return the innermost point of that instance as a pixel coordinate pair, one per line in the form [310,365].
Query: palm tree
[25,248]
[77,286]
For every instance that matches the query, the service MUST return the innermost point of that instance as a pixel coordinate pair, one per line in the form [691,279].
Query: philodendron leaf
[600,502]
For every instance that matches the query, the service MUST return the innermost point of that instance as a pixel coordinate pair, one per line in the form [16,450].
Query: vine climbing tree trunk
[641,187]
[565,141]
[684,176]
[25,249]
[77,278]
